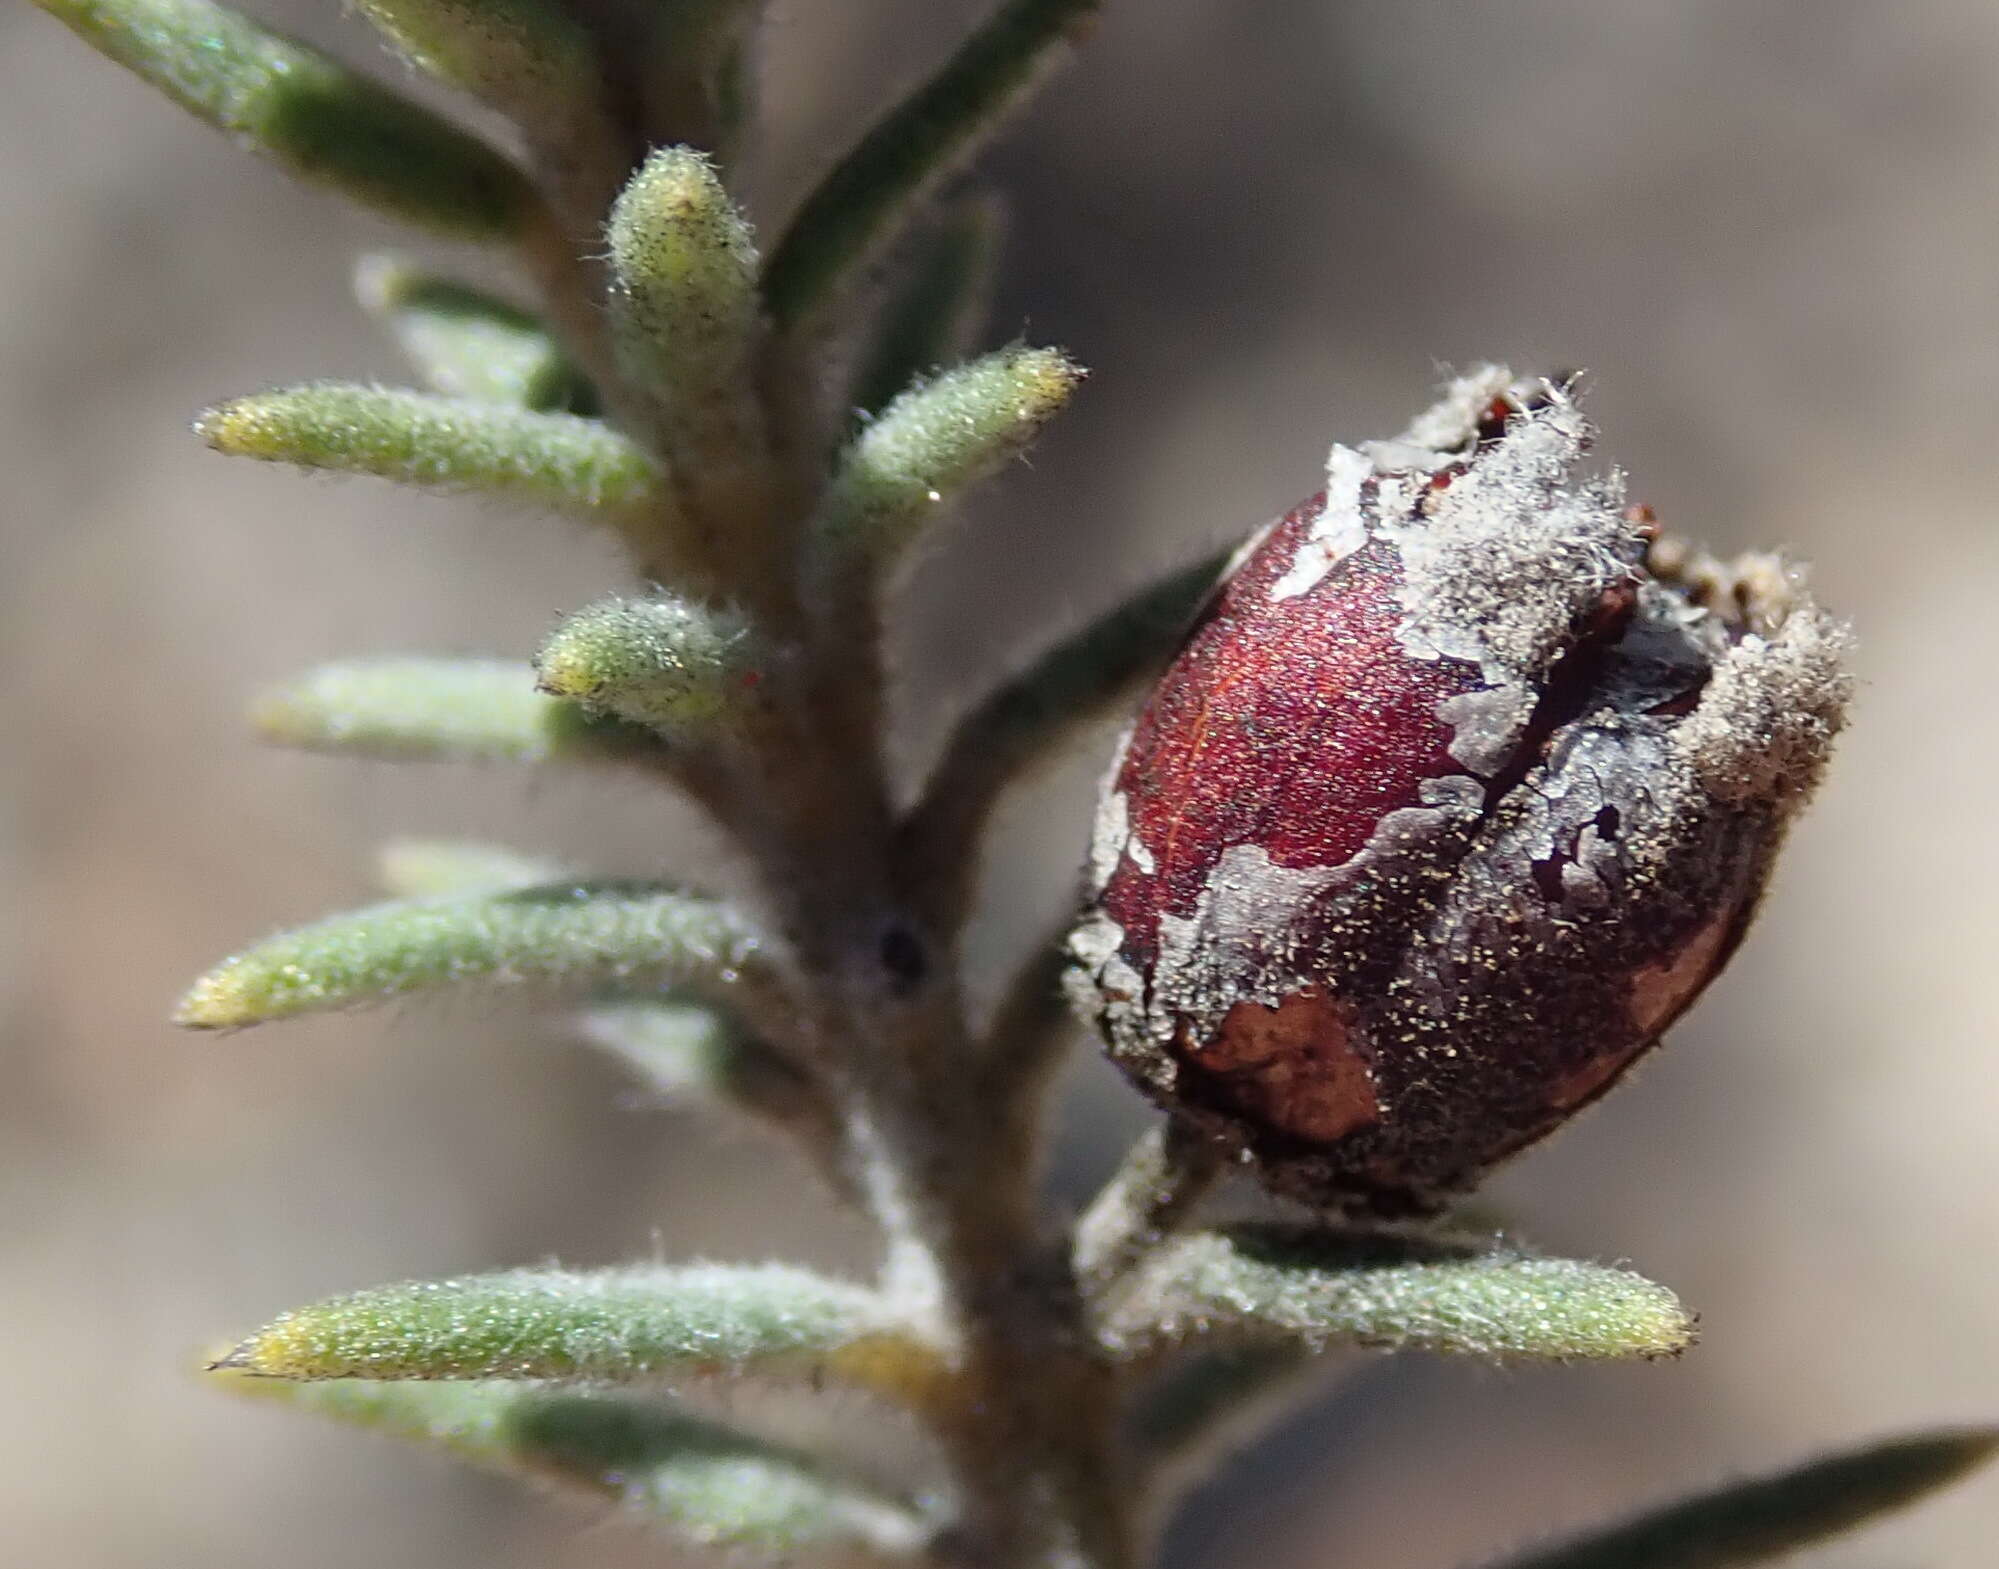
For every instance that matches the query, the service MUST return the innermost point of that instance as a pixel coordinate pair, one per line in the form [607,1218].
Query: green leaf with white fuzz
[935,316]
[467,344]
[435,868]
[867,199]
[929,446]
[706,1482]
[570,934]
[309,113]
[529,59]
[664,661]
[685,325]
[414,438]
[643,1323]
[1387,1292]
[1026,720]
[439,710]
[1775,1516]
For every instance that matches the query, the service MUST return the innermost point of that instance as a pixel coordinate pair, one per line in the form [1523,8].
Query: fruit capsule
[1463,786]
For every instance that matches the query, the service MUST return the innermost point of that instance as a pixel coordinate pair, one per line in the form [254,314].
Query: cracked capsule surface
[1463,786]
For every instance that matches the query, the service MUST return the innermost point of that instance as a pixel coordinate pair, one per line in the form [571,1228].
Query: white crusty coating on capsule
[1337,532]
[1766,721]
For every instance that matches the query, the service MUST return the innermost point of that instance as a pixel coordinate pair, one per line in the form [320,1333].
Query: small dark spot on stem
[902,955]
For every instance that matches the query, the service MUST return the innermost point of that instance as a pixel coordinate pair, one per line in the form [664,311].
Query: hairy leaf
[439,710]
[414,438]
[934,318]
[1319,1288]
[466,343]
[613,1326]
[530,60]
[932,443]
[871,194]
[685,324]
[708,1483]
[578,934]
[309,113]
[1771,1517]
[665,661]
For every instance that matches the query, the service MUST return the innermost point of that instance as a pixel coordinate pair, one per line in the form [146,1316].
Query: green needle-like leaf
[1318,1289]
[614,1326]
[706,1482]
[685,324]
[467,344]
[558,460]
[309,113]
[572,934]
[934,319]
[664,661]
[930,445]
[868,197]
[440,710]
[532,61]
[1025,721]
[1771,1517]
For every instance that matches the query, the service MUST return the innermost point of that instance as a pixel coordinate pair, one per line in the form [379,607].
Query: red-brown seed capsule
[1462,788]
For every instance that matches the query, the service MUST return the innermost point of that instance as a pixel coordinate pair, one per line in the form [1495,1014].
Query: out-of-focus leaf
[1773,1516]
[706,1482]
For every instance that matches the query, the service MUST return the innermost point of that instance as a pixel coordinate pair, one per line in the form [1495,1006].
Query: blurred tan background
[1770,230]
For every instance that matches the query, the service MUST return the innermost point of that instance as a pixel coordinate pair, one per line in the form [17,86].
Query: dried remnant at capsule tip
[1461,790]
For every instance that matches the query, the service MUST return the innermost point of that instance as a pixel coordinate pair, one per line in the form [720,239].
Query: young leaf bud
[1462,788]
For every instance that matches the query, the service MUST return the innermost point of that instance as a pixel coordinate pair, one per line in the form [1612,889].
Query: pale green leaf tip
[663,661]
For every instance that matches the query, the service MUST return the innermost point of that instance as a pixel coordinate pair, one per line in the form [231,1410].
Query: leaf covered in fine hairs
[697,1478]
[308,113]
[667,662]
[531,60]
[1774,1516]
[684,318]
[1392,1293]
[933,442]
[450,444]
[439,710]
[645,1322]
[573,934]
